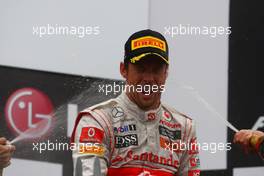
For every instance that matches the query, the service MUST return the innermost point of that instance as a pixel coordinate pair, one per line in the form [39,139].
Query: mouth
[146,94]
[146,91]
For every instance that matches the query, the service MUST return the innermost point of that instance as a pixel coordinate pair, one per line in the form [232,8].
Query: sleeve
[91,147]
[189,161]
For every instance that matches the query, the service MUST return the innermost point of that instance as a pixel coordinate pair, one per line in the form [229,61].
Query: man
[251,140]
[136,134]
[5,153]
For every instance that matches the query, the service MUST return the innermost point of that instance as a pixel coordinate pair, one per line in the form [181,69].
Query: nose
[148,76]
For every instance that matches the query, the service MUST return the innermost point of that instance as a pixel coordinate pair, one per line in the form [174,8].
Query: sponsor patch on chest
[172,134]
[125,128]
[126,140]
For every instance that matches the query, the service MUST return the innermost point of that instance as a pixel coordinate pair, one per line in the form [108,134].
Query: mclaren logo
[117,112]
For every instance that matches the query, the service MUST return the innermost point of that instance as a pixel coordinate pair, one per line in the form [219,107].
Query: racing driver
[136,134]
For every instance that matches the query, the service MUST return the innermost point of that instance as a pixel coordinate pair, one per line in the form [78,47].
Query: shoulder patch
[101,105]
[173,110]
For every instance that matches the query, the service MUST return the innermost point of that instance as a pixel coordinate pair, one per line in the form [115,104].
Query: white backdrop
[198,61]
[94,55]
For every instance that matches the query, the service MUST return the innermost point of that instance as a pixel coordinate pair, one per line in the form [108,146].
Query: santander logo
[29,109]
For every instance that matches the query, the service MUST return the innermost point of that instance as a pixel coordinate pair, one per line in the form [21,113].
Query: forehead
[150,60]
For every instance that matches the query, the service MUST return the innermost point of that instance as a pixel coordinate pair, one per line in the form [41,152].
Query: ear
[167,71]
[123,70]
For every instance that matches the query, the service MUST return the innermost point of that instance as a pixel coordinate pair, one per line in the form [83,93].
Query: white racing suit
[116,138]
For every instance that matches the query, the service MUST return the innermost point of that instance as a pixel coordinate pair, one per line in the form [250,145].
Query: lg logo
[29,108]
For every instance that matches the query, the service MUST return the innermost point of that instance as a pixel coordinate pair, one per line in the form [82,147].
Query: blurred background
[55,54]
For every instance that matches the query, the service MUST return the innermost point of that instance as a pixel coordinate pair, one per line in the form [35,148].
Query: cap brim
[141,56]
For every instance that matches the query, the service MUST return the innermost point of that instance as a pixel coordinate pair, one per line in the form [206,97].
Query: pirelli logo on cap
[148,41]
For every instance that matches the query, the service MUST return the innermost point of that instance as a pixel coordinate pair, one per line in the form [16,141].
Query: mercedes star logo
[117,112]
